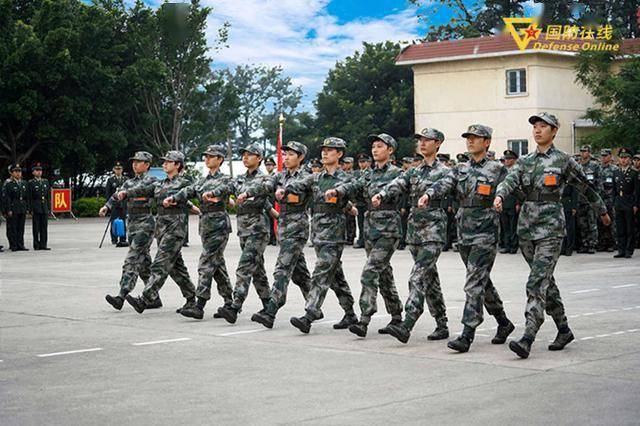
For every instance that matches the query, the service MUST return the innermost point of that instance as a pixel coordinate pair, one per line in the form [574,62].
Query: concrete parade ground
[69,358]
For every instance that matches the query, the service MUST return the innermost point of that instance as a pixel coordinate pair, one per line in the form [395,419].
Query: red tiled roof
[449,50]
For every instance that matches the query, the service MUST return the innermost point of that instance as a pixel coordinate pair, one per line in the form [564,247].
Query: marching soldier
[626,191]
[541,176]
[509,215]
[381,239]
[15,208]
[586,219]
[119,209]
[170,234]
[474,184]
[425,235]
[364,167]
[39,201]
[328,225]
[607,234]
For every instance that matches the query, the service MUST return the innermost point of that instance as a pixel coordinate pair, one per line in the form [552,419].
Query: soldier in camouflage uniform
[607,234]
[586,222]
[426,236]
[509,215]
[140,229]
[364,167]
[347,166]
[570,206]
[293,233]
[636,167]
[474,184]
[170,233]
[39,205]
[405,208]
[214,228]
[253,229]
[270,167]
[382,231]
[541,176]
[328,230]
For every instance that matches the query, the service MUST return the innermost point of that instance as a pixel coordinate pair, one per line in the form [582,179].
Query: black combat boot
[229,313]
[301,323]
[521,347]
[441,332]
[359,329]
[263,318]
[155,304]
[116,301]
[196,311]
[562,340]
[138,304]
[346,321]
[227,303]
[505,328]
[463,342]
[385,329]
[400,332]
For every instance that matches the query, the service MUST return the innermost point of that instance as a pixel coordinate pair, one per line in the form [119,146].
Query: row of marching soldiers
[480,186]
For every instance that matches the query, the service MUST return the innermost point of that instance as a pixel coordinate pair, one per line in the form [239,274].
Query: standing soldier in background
[509,215]
[347,166]
[364,167]
[140,227]
[119,209]
[636,167]
[214,228]
[626,191]
[381,239]
[425,236]
[170,233]
[607,234]
[475,185]
[405,207]
[270,166]
[293,233]
[328,225]
[39,190]
[541,176]
[586,222]
[570,206]
[15,207]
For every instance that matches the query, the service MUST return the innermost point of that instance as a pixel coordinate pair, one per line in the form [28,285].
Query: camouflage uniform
[586,221]
[541,225]
[426,236]
[170,233]
[607,234]
[382,231]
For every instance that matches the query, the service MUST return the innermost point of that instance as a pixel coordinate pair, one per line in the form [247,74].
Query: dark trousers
[509,223]
[361,210]
[569,241]
[15,230]
[607,234]
[39,227]
[625,230]
[118,213]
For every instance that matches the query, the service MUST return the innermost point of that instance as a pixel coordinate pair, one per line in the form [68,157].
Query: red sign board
[61,200]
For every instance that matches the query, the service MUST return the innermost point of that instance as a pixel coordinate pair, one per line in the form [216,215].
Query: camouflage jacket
[359,198]
[607,193]
[294,221]
[252,214]
[139,217]
[593,172]
[328,221]
[474,185]
[542,178]
[424,224]
[214,216]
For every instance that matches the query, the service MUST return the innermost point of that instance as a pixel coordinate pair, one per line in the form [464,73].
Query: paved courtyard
[68,358]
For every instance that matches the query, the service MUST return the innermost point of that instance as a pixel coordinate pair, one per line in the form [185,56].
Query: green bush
[88,207]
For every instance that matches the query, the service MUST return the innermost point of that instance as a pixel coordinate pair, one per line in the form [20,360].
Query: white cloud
[276,33]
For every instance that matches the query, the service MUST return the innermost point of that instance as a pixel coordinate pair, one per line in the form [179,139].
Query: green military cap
[407,160]
[363,157]
[491,154]
[142,156]
[550,119]
[604,152]
[36,166]
[296,147]
[333,142]
[316,163]
[462,157]
[269,160]
[430,133]
[117,165]
[478,130]
[585,148]
[254,149]
[443,157]
[636,157]
[624,152]
[15,168]
[387,139]
[215,151]
[175,156]
[510,155]
[347,160]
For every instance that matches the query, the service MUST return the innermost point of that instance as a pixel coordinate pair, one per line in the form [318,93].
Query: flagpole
[279,145]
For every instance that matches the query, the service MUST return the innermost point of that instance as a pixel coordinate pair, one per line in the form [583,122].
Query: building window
[516,82]
[519,146]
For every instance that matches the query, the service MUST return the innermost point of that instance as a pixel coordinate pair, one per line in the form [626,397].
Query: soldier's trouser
[404,219]
[361,212]
[509,222]
[328,274]
[542,291]
[378,274]
[290,265]
[15,230]
[39,228]
[607,234]
[424,283]
[587,226]
[450,230]
[168,262]
[272,230]
[479,288]
[350,228]
[212,266]
[137,262]
[251,266]
[625,230]
[569,241]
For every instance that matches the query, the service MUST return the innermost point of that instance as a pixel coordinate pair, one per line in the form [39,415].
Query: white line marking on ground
[588,314]
[69,352]
[603,335]
[633,330]
[601,312]
[618,332]
[628,309]
[624,286]
[244,332]
[587,338]
[589,290]
[155,342]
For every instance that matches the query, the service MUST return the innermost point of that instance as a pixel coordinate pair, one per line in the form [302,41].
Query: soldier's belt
[292,208]
[433,205]
[383,206]
[477,203]
[212,207]
[249,210]
[138,210]
[327,208]
[539,197]
[162,211]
